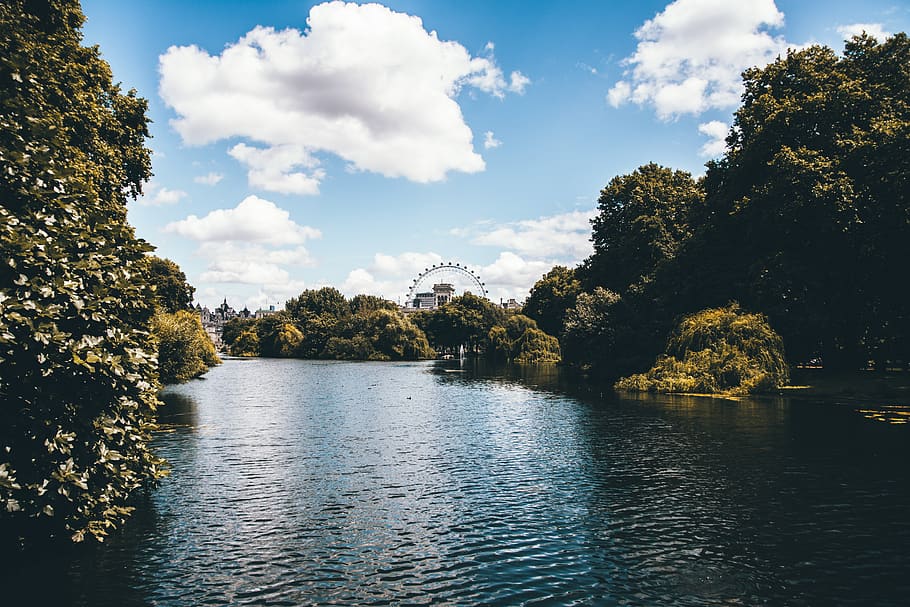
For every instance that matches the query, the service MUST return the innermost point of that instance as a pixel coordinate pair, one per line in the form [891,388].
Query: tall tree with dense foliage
[550,297]
[807,215]
[520,340]
[77,374]
[185,350]
[466,320]
[172,291]
[642,219]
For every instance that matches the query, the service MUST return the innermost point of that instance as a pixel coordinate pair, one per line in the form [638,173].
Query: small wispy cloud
[876,30]
[209,179]
[157,195]
[490,142]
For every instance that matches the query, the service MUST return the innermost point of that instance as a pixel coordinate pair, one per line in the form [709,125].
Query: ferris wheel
[437,272]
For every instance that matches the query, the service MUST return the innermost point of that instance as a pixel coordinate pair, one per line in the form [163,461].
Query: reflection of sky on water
[307,482]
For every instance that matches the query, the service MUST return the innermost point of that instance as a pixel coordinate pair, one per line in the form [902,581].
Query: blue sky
[298,145]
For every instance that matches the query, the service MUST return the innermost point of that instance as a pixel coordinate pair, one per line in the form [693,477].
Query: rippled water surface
[300,482]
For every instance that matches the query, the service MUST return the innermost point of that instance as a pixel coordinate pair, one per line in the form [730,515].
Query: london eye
[445,273]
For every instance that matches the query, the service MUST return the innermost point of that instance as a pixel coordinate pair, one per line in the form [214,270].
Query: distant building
[511,304]
[444,293]
[262,313]
[213,320]
[441,294]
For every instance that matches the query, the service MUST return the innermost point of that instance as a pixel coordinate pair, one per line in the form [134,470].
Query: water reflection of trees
[179,410]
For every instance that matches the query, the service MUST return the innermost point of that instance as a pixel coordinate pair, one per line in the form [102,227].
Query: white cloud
[876,30]
[252,220]
[565,236]
[362,282]
[209,179]
[489,141]
[389,276]
[518,82]
[155,196]
[690,56]
[272,168]
[512,276]
[363,82]
[405,264]
[251,244]
[245,271]
[717,133]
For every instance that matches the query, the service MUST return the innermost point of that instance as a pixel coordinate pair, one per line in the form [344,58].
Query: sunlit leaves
[77,373]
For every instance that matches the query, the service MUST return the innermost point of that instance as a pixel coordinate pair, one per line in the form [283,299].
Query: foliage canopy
[76,365]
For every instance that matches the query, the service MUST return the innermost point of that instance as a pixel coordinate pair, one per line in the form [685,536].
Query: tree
[806,215]
[184,348]
[325,301]
[368,303]
[642,219]
[589,338]
[551,296]
[172,291]
[235,327]
[721,350]
[465,320]
[246,343]
[380,334]
[520,340]
[77,374]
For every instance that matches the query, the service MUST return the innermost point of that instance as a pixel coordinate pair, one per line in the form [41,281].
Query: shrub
[184,349]
[719,350]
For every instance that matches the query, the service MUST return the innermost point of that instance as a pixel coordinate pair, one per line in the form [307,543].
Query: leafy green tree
[327,301]
[361,304]
[172,291]
[233,328]
[246,343]
[184,349]
[551,296]
[806,214]
[589,339]
[517,324]
[642,220]
[520,340]
[278,336]
[536,347]
[380,334]
[499,344]
[465,320]
[77,372]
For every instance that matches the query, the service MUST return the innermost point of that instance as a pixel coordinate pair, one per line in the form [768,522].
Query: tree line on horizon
[323,324]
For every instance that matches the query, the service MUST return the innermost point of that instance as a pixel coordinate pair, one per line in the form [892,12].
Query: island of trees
[792,247]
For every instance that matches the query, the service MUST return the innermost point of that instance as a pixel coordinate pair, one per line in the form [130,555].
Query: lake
[303,482]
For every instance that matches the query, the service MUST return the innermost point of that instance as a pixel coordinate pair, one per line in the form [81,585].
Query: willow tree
[719,350]
[77,387]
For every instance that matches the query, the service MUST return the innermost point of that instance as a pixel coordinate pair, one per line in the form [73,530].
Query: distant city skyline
[300,145]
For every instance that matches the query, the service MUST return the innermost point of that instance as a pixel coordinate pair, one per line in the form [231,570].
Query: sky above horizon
[298,145]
